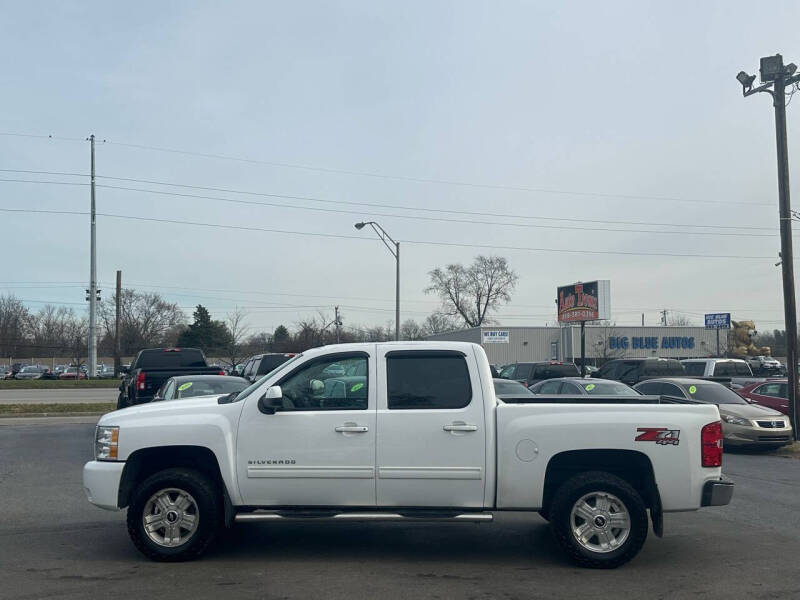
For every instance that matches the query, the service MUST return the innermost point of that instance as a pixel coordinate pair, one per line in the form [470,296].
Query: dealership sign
[495,337]
[718,321]
[588,301]
[667,342]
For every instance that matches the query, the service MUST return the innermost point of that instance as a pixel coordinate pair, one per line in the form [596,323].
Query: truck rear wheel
[599,520]
[174,515]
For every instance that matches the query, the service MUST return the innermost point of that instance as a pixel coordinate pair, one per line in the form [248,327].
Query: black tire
[208,500]
[121,402]
[560,513]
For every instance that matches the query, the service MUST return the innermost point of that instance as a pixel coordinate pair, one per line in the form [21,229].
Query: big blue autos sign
[668,342]
[718,321]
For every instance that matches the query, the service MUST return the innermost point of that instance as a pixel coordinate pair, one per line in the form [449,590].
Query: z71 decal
[659,435]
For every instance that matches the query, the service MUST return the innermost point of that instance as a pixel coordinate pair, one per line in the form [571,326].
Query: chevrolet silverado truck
[404,431]
[153,366]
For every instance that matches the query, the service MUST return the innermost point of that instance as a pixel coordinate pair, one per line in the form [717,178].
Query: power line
[412,242]
[367,204]
[405,178]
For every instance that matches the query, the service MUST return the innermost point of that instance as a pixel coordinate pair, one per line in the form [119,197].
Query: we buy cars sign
[588,301]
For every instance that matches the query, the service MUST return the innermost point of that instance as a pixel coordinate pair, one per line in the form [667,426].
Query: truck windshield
[251,388]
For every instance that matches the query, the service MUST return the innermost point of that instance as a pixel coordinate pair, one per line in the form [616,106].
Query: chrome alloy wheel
[170,517]
[600,522]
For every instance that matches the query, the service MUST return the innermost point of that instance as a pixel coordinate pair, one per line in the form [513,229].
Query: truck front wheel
[174,515]
[599,520]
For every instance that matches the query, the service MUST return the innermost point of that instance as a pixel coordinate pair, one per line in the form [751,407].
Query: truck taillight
[140,380]
[711,444]
[221,372]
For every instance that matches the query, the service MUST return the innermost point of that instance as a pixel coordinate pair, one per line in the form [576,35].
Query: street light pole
[777,76]
[394,248]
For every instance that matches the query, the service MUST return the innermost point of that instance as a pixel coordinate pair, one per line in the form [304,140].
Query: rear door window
[523,371]
[550,387]
[650,388]
[427,380]
[724,369]
[695,369]
[742,368]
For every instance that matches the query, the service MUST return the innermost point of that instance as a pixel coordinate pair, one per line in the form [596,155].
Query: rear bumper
[717,493]
[101,483]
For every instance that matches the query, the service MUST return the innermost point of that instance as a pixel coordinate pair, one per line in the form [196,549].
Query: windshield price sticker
[589,387]
[692,389]
[184,386]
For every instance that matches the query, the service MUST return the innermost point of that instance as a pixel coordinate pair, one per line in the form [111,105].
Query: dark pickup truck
[154,366]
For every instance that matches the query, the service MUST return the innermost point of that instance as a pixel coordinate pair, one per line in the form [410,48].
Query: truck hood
[202,404]
[749,411]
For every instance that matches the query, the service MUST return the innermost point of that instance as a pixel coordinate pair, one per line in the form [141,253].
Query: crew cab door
[431,449]
[318,449]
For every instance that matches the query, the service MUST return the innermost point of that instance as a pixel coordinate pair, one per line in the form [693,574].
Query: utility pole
[778,77]
[92,278]
[394,248]
[338,322]
[664,317]
[642,319]
[117,358]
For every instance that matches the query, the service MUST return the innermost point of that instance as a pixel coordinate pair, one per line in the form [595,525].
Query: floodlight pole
[583,348]
[394,248]
[781,81]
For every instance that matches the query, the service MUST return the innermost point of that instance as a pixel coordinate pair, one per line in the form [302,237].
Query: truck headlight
[106,443]
[736,420]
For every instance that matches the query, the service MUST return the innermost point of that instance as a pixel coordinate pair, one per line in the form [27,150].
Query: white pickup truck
[404,431]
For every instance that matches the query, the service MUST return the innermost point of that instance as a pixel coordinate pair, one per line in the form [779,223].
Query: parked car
[73,373]
[505,389]
[743,424]
[105,372]
[153,366]
[259,365]
[584,387]
[30,372]
[734,371]
[634,370]
[192,386]
[765,365]
[59,369]
[772,393]
[528,373]
[425,439]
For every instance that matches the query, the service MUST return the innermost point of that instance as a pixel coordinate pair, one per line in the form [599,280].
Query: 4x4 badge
[659,435]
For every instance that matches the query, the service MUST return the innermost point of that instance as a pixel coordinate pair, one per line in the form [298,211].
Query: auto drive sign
[718,321]
[588,301]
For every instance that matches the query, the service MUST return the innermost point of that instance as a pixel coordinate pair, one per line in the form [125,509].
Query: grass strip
[56,384]
[16,410]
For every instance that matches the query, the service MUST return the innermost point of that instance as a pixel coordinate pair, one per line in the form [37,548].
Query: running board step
[260,515]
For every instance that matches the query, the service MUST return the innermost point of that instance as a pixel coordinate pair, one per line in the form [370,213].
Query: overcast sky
[597,111]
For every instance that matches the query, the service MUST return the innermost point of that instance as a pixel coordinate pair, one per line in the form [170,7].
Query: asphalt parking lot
[54,544]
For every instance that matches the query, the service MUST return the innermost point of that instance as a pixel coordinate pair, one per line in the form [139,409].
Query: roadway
[53,543]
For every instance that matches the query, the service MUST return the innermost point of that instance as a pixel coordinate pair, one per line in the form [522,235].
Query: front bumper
[101,483]
[740,435]
[717,492]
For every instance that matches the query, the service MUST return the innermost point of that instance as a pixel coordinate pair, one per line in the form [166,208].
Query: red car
[72,373]
[772,393]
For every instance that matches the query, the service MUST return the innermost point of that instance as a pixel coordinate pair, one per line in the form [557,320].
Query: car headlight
[106,443]
[736,420]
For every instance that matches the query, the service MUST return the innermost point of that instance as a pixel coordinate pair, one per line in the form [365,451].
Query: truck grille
[777,424]
[773,438]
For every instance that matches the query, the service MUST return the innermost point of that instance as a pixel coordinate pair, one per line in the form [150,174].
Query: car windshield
[510,387]
[250,389]
[607,388]
[209,387]
[713,393]
[30,369]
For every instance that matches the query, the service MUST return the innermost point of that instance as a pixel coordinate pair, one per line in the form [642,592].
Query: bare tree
[15,324]
[237,326]
[679,320]
[475,291]
[604,331]
[439,323]
[146,319]
[411,330]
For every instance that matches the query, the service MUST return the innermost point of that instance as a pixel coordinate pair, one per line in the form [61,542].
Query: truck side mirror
[271,401]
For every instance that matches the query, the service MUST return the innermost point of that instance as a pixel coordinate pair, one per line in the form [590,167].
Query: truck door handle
[460,426]
[351,428]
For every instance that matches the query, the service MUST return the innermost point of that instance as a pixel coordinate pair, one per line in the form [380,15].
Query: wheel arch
[146,461]
[632,466]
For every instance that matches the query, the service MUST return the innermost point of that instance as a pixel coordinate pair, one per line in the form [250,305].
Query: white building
[504,345]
